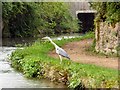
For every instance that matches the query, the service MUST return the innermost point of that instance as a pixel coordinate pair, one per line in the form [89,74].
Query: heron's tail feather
[68,58]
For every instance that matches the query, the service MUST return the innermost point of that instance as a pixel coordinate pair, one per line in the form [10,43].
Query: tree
[17,18]
[55,18]
[22,19]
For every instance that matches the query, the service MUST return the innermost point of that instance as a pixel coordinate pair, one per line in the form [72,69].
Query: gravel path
[77,53]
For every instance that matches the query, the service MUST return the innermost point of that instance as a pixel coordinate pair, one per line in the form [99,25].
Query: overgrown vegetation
[23,19]
[107,11]
[34,61]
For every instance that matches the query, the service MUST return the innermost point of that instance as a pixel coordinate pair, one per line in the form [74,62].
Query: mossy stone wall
[107,36]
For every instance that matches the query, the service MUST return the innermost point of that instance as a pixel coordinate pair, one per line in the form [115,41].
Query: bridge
[84,13]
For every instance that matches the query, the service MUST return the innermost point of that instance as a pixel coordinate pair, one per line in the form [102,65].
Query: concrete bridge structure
[84,13]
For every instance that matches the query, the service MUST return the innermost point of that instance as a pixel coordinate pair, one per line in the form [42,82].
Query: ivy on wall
[107,11]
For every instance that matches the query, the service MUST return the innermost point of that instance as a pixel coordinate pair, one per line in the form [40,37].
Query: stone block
[109,38]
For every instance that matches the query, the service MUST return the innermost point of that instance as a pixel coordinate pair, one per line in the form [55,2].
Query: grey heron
[61,53]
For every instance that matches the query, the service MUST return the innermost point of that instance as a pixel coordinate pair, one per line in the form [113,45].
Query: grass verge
[33,61]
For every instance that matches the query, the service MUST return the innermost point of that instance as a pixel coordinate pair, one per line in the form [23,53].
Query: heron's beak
[43,38]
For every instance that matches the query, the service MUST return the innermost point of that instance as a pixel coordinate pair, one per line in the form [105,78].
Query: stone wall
[107,36]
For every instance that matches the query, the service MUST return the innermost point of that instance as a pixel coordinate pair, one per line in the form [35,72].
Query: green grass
[34,61]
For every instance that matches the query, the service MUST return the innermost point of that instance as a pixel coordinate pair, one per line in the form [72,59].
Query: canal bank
[10,78]
[34,61]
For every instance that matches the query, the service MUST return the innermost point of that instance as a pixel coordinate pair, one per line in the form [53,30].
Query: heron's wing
[62,52]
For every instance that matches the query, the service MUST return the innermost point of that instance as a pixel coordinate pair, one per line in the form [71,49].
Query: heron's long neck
[52,42]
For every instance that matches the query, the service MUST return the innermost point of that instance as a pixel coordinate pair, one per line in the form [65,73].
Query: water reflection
[15,41]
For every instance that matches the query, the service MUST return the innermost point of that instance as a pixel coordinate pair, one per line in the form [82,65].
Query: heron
[61,52]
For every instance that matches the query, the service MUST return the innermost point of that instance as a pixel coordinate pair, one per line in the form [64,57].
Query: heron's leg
[60,59]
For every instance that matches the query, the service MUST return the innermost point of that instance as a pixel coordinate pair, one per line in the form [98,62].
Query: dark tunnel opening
[86,22]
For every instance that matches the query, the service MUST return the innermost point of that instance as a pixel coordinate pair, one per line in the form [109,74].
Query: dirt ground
[77,53]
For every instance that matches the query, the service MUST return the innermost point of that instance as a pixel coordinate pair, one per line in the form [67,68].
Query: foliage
[107,11]
[56,19]
[35,62]
[23,19]
[17,19]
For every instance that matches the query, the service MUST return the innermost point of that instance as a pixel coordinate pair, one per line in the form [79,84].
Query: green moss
[118,50]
